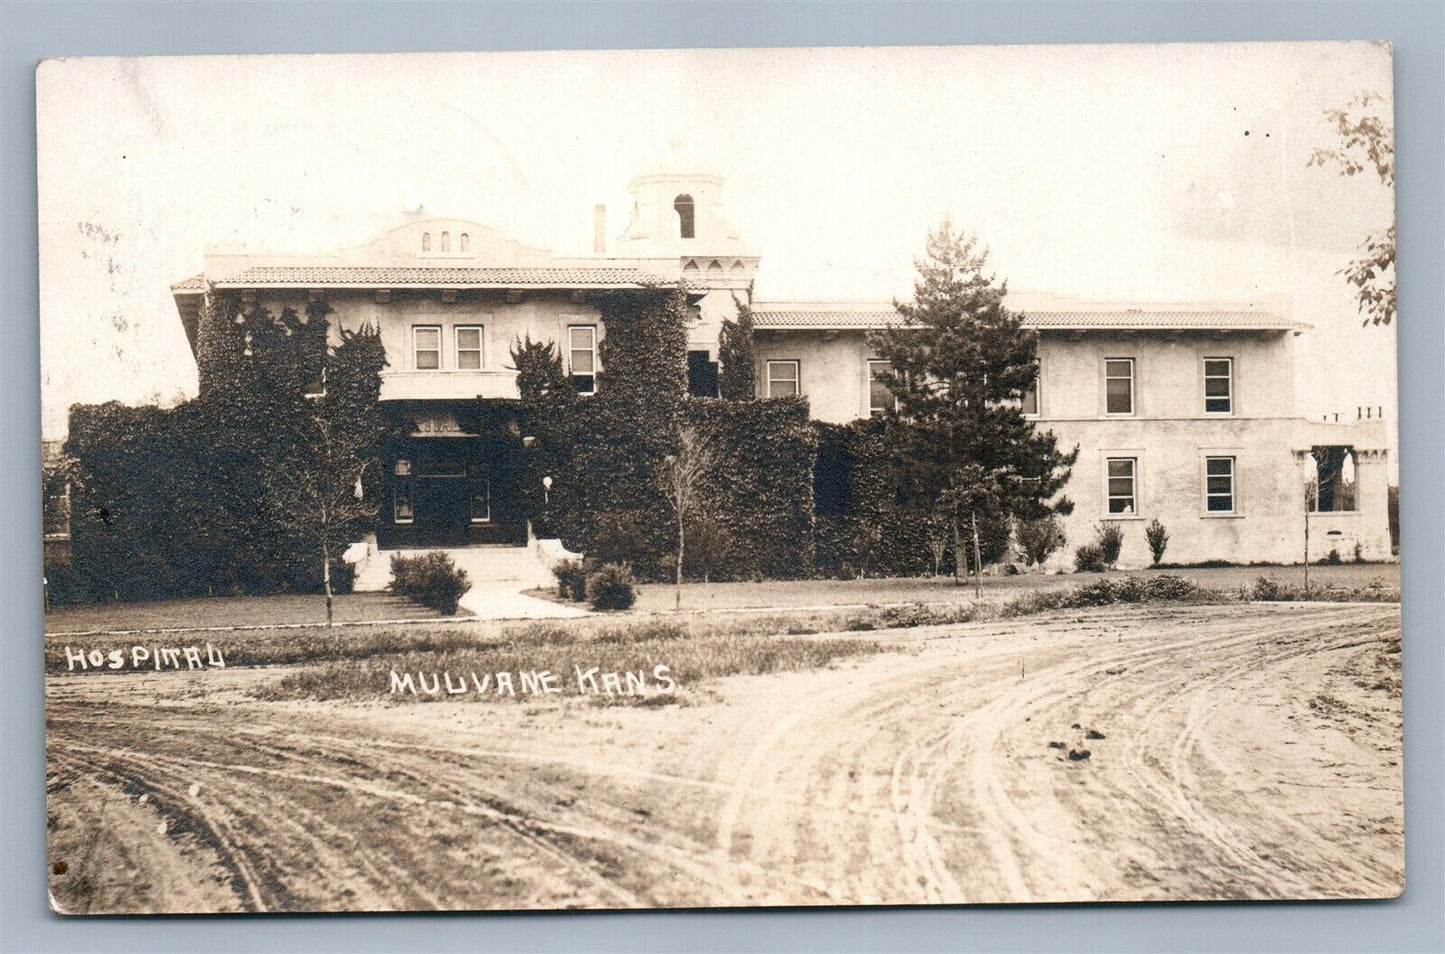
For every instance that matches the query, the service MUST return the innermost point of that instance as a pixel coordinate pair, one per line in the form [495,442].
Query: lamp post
[547,490]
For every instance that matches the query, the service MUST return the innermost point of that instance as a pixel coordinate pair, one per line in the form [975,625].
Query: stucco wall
[832,367]
[544,317]
[1168,372]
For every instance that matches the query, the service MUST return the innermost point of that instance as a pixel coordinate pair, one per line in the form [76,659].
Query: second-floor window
[1119,386]
[784,379]
[880,397]
[426,344]
[1120,485]
[582,357]
[1030,403]
[1218,385]
[469,347]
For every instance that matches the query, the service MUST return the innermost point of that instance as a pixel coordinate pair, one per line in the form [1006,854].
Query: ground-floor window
[402,510]
[1120,488]
[784,379]
[1219,484]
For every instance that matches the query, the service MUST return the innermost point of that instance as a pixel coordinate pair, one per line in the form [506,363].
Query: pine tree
[960,363]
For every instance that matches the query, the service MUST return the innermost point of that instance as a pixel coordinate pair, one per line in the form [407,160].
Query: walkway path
[498,575]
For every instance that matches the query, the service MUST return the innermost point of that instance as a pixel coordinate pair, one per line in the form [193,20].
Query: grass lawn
[203,611]
[658,597]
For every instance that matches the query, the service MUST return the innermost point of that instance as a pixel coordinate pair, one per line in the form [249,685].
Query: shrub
[1266,588]
[1359,553]
[1167,587]
[1039,538]
[1089,558]
[1134,589]
[1333,559]
[610,588]
[1131,589]
[1097,593]
[431,579]
[1111,541]
[1158,539]
[571,579]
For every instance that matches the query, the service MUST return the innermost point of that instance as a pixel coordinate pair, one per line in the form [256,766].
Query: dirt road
[1246,752]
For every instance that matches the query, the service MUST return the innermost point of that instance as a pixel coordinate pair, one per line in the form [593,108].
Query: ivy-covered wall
[615,510]
[183,501]
[760,491]
[864,525]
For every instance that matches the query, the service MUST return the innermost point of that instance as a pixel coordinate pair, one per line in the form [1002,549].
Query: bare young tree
[319,494]
[680,476]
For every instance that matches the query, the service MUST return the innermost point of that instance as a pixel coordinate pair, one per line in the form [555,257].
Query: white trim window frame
[1120,369]
[1121,487]
[1218,378]
[584,379]
[418,333]
[1221,491]
[464,352]
[793,376]
[874,385]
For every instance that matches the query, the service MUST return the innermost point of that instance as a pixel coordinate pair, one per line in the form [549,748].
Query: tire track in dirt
[917,777]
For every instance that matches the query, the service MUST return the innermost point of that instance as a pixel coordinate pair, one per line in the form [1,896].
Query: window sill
[1124,516]
[1207,515]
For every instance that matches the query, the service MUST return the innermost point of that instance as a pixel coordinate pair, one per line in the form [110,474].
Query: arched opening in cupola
[686,216]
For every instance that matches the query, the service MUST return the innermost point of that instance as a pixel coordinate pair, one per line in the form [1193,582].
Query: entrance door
[441,495]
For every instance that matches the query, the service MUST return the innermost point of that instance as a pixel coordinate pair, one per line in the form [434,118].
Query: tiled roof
[323,276]
[1063,320]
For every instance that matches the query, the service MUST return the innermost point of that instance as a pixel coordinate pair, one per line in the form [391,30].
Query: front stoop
[498,575]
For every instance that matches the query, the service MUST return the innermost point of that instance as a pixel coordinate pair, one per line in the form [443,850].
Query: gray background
[1414,923]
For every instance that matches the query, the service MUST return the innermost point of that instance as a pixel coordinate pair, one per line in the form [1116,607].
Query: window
[686,221]
[1219,484]
[446,241]
[469,347]
[701,375]
[582,357]
[426,343]
[466,242]
[1030,403]
[401,508]
[784,379]
[1218,385]
[426,241]
[479,494]
[1119,386]
[1120,490]
[880,398]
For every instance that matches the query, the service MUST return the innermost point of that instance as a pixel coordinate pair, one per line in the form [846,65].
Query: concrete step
[524,566]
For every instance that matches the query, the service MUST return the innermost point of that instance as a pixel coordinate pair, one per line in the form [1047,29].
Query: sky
[1136,172]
